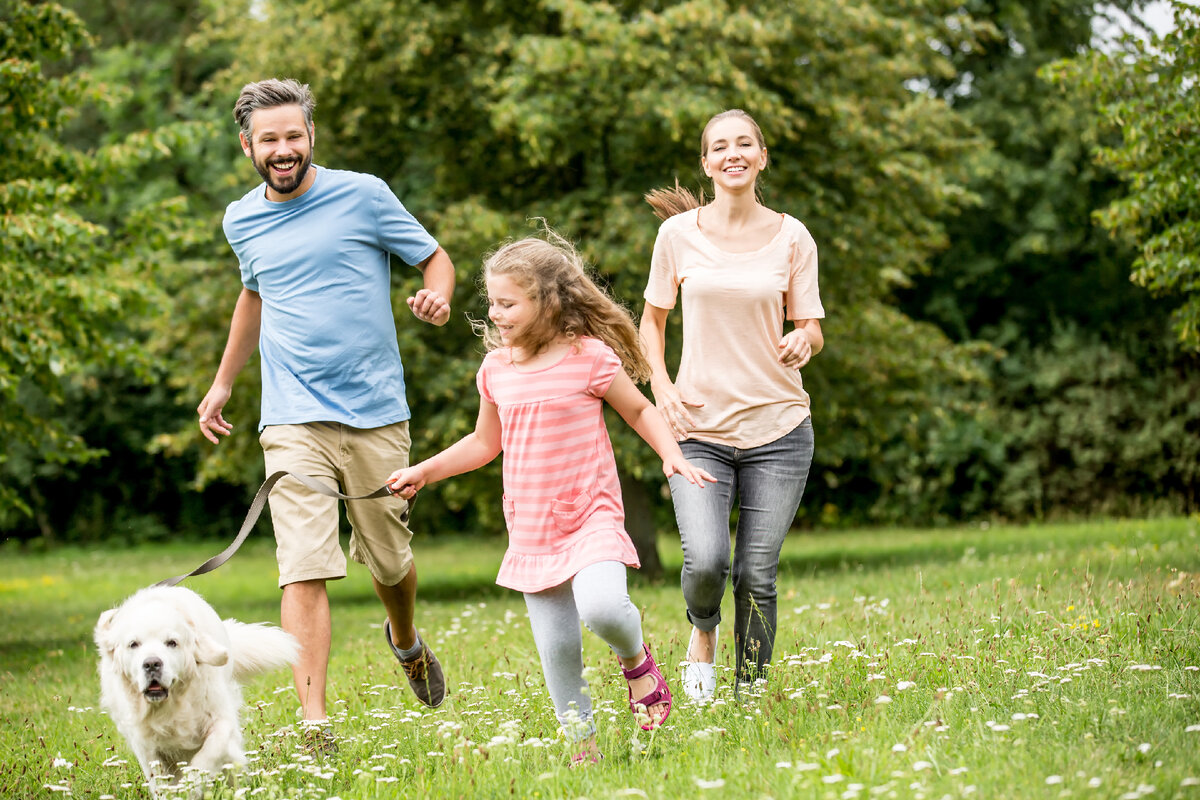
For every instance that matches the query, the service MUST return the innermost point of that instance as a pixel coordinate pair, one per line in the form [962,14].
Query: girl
[557,346]
[738,404]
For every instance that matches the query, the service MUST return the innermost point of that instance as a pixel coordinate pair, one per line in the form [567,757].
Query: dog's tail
[259,648]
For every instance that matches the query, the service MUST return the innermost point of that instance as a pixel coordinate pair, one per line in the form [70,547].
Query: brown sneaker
[424,672]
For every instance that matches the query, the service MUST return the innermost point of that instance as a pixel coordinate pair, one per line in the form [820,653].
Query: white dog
[170,673]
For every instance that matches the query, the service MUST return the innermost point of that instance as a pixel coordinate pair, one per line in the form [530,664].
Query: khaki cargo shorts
[353,461]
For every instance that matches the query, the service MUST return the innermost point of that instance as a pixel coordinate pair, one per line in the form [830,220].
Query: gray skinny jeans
[767,482]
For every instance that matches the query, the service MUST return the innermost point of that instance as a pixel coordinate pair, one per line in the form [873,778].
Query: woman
[738,404]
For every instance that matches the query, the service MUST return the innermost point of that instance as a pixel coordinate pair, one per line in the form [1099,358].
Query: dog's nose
[152,666]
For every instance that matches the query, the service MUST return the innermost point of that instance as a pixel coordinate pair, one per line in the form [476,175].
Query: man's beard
[289,184]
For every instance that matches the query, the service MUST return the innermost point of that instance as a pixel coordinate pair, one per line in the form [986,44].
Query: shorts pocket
[569,515]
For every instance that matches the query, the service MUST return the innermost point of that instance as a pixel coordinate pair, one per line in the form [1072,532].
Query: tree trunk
[639,523]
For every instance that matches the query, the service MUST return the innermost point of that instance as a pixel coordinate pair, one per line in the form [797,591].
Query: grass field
[1032,662]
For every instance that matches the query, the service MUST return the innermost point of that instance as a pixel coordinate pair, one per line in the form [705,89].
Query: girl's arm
[673,408]
[644,418]
[468,453]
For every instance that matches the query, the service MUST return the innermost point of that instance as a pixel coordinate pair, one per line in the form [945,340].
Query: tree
[1031,276]
[483,117]
[78,283]
[1028,256]
[1145,93]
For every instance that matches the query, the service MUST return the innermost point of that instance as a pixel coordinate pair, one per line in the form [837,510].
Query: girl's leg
[602,598]
[703,518]
[555,624]
[772,480]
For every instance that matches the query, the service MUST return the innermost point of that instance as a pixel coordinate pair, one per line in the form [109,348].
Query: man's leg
[304,613]
[420,665]
[400,601]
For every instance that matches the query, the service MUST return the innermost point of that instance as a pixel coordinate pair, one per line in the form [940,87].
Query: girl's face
[734,157]
[509,308]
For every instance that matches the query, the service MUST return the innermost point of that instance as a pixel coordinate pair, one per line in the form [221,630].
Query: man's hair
[272,93]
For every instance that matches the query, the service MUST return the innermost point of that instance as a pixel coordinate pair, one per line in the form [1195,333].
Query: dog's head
[155,645]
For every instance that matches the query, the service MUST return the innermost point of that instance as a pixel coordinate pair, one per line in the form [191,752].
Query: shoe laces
[417,669]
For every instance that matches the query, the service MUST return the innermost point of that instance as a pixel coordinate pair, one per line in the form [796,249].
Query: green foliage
[64,286]
[1028,255]
[1032,277]
[1089,425]
[96,221]
[1145,94]
[485,116]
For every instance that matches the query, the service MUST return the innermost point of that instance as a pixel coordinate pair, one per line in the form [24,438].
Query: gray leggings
[598,597]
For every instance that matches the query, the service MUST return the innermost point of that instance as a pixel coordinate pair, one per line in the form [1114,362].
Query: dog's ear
[103,633]
[210,651]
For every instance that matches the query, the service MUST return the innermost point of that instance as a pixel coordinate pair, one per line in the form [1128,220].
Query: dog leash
[256,507]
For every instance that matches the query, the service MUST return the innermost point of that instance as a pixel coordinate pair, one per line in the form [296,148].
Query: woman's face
[734,157]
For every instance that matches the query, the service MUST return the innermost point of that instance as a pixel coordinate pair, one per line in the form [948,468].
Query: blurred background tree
[1031,272]
[972,296]
[83,242]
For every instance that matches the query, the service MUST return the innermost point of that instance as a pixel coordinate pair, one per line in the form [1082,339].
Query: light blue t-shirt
[320,263]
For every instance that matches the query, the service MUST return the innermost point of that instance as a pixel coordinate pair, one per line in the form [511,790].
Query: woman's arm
[673,408]
[802,343]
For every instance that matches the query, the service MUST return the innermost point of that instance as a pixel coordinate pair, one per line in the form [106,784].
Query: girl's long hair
[566,299]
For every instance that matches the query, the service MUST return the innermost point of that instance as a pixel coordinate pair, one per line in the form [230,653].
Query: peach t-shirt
[734,305]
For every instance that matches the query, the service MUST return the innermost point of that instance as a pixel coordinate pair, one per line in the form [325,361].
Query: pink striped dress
[562,499]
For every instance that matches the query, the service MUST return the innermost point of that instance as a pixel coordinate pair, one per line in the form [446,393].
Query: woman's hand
[795,349]
[675,410]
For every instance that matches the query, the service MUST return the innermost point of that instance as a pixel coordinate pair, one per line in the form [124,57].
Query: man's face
[281,148]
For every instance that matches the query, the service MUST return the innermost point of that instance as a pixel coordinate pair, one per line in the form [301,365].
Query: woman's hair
[669,202]
[567,302]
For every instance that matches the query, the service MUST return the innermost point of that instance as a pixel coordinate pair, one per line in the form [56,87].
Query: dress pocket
[510,511]
[569,515]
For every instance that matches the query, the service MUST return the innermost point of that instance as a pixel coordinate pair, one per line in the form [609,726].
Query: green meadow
[985,662]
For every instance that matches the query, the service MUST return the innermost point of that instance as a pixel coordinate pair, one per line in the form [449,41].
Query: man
[313,245]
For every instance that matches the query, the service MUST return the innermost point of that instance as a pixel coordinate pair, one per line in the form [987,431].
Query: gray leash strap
[256,507]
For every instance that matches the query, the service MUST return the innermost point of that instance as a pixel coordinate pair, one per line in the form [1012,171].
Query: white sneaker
[699,682]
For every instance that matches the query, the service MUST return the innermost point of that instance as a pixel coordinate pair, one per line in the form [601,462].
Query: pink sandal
[661,693]
[585,757]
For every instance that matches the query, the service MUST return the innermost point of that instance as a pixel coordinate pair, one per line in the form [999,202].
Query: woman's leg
[771,479]
[555,624]
[703,518]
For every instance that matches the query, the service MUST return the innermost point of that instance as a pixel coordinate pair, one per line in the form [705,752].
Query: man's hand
[211,421]
[429,306]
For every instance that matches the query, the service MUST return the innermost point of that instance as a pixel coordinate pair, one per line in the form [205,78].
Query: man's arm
[243,338]
[432,303]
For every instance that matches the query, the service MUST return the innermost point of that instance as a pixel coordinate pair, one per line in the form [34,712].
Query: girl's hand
[678,465]
[795,349]
[406,482]
[674,410]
